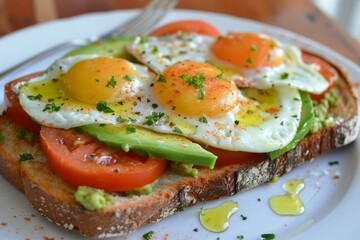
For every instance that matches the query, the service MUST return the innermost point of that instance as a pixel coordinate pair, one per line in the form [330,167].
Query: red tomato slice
[323,67]
[14,110]
[81,160]
[226,157]
[191,26]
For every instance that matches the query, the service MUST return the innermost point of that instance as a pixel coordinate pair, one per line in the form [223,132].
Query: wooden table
[300,16]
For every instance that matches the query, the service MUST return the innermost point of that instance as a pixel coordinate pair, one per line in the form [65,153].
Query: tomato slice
[81,160]
[191,26]
[325,69]
[226,157]
[14,110]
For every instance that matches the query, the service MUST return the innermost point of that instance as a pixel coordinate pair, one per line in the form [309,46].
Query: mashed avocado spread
[321,109]
[92,198]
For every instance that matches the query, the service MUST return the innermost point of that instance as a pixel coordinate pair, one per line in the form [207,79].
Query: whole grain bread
[54,198]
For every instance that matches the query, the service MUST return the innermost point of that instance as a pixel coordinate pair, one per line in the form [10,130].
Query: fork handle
[41,56]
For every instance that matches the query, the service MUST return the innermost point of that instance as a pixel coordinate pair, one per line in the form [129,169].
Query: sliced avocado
[113,47]
[306,121]
[148,143]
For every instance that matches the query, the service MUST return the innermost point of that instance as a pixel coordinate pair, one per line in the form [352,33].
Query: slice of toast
[54,199]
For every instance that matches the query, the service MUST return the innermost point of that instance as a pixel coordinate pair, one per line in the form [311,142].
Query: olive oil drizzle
[289,203]
[217,219]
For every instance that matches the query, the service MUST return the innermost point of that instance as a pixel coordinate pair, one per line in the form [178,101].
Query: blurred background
[346,12]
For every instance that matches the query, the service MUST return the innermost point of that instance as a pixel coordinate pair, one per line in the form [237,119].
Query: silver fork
[139,24]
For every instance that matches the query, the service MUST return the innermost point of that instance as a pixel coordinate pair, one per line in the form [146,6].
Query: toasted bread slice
[54,199]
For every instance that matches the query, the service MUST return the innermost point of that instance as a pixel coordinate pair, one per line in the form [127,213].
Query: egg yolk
[248,50]
[101,79]
[195,89]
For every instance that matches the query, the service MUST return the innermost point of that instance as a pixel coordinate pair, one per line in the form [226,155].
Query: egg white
[222,132]
[181,46]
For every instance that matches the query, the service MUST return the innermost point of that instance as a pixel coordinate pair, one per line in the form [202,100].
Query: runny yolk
[195,89]
[248,50]
[101,79]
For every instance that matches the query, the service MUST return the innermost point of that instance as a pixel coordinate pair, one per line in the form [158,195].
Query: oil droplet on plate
[217,219]
[289,203]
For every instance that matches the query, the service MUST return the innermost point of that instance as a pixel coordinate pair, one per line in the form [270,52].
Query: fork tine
[147,23]
[135,21]
[131,23]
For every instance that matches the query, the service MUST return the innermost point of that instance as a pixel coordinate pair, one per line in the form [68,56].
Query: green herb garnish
[128,119]
[221,75]
[127,78]
[161,78]
[268,236]
[197,81]
[103,107]
[25,156]
[51,107]
[111,82]
[1,137]
[177,130]
[243,217]
[130,130]
[284,75]
[152,119]
[249,60]
[148,235]
[253,48]
[333,163]
[21,134]
[203,119]
[37,97]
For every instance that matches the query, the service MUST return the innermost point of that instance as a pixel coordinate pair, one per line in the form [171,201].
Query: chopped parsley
[152,119]
[240,237]
[294,116]
[161,78]
[130,130]
[203,119]
[21,134]
[1,137]
[97,80]
[253,48]
[243,217]
[154,49]
[182,208]
[268,236]
[148,235]
[111,82]
[249,60]
[37,97]
[51,107]
[296,99]
[127,78]
[284,75]
[333,163]
[177,130]
[103,107]
[25,156]
[143,39]
[197,81]
[221,75]
[128,119]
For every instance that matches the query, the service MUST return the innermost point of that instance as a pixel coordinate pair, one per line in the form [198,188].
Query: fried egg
[248,59]
[188,98]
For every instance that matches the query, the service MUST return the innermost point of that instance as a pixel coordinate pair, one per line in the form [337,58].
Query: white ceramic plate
[332,205]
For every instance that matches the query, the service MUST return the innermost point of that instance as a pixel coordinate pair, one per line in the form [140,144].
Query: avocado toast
[46,191]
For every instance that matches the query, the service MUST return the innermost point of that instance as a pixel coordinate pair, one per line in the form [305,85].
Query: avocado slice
[153,144]
[112,47]
[306,121]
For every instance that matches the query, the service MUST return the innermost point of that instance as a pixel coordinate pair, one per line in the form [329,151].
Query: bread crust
[54,199]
